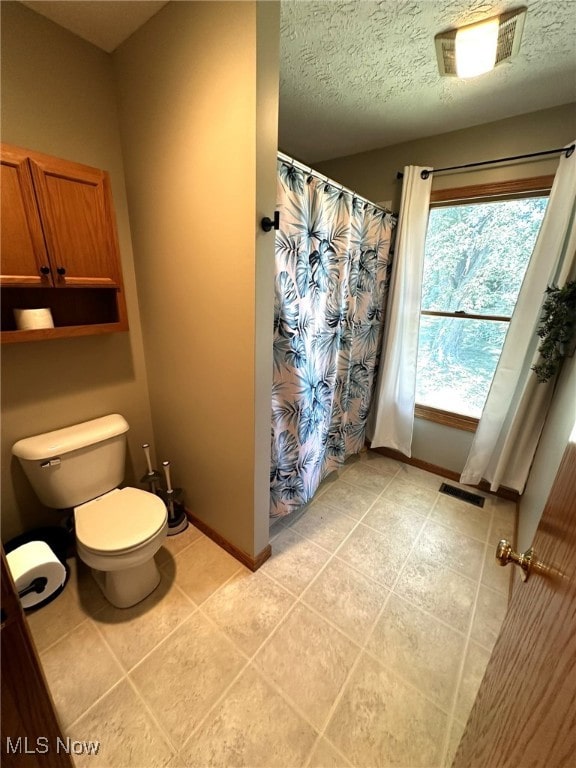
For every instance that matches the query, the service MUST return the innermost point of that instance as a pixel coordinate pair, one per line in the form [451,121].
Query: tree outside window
[475,260]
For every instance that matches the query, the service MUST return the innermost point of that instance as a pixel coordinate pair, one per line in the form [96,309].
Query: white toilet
[118,532]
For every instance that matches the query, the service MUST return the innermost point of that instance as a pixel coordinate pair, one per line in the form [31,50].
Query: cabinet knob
[44,270]
[61,270]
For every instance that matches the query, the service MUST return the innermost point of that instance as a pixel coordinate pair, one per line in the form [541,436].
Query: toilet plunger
[177,520]
[152,477]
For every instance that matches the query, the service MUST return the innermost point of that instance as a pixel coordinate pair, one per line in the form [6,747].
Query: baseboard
[504,493]
[253,563]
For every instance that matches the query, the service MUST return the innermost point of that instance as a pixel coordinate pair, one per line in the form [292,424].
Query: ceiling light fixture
[477,48]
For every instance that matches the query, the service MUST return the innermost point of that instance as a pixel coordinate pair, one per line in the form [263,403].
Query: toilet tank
[70,466]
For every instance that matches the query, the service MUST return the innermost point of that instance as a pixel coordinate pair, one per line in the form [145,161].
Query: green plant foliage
[557,329]
[476,258]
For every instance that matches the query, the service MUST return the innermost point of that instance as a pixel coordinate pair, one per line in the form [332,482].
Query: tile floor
[361,642]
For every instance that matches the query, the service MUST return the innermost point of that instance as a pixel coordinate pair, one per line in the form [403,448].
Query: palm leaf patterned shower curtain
[331,288]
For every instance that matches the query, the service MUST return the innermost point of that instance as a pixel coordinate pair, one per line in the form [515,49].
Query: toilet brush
[177,520]
[152,477]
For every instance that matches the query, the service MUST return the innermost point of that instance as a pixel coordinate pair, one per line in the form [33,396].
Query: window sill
[448,419]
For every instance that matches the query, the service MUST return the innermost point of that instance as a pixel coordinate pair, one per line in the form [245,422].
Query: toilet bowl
[117,535]
[118,531]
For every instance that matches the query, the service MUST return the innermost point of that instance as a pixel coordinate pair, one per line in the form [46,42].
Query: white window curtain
[515,410]
[392,416]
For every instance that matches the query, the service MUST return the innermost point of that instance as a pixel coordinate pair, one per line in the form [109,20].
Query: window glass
[456,362]
[475,260]
[477,254]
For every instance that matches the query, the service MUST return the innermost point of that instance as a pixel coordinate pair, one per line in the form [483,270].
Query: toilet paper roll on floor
[30,561]
[32,319]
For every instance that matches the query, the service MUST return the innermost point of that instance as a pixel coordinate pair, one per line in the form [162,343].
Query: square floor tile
[396,522]
[347,598]
[375,459]
[412,474]
[420,649]
[186,674]
[504,522]
[294,562]
[309,660]
[79,669]
[134,632]
[438,590]
[351,499]
[201,568]
[128,736]
[324,525]
[454,739]
[410,495]
[381,721]
[326,756]
[455,549]
[491,607]
[477,659]
[80,598]
[493,574]
[253,726]
[248,607]
[463,517]
[375,554]
[174,544]
[367,476]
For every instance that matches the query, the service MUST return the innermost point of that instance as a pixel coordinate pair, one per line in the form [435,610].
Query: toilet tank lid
[60,441]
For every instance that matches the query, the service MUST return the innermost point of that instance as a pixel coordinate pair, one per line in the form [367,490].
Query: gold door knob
[505,554]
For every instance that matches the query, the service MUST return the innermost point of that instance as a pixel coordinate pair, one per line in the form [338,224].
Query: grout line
[363,651]
[248,662]
[62,637]
[164,733]
[300,598]
[95,703]
[460,676]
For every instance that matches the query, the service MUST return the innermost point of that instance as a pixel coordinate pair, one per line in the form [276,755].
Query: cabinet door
[76,212]
[24,261]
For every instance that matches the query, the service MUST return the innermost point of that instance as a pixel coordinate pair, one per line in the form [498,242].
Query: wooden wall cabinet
[59,246]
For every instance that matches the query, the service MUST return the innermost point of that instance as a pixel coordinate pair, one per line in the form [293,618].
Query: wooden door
[24,261]
[30,728]
[75,205]
[525,712]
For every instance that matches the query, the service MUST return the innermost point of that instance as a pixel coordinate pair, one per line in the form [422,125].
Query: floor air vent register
[459,493]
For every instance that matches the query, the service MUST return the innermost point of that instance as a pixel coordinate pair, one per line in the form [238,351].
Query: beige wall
[559,424]
[373,174]
[189,110]
[58,97]
[267,88]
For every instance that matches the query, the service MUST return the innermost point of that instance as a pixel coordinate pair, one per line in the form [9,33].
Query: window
[478,245]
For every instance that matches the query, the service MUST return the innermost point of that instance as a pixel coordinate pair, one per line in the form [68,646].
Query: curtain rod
[306,168]
[424,174]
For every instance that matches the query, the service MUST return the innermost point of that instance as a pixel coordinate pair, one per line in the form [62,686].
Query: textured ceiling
[361,74]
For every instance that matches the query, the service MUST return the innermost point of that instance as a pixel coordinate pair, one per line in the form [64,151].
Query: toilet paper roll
[30,561]
[31,319]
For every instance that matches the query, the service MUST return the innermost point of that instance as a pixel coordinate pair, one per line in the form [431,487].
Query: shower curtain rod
[306,168]
[424,174]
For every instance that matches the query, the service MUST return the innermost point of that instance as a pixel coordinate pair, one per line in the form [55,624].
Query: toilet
[118,531]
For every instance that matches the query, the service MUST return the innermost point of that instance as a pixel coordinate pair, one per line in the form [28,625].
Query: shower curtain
[331,288]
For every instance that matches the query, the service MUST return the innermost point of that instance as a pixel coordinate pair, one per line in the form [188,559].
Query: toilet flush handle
[50,463]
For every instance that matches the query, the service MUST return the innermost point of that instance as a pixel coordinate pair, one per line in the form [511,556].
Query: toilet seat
[120,521]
